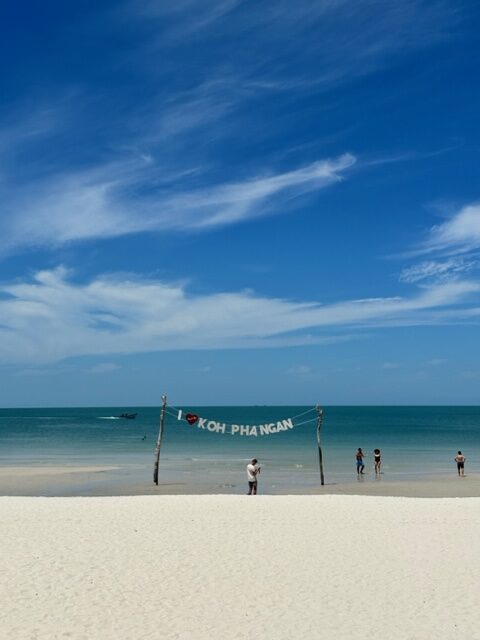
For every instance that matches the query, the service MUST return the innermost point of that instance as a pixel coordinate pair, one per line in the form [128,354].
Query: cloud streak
[459,234]
[100,204]
[454,246]
[51,318]
[350,39]
[431,269]
[77,186]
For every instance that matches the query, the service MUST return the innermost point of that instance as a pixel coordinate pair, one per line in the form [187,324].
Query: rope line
[304,412]
[298,424]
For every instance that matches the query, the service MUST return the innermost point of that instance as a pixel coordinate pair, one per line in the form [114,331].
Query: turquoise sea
[416,442]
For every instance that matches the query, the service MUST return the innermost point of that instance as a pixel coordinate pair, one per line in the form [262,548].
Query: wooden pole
[159,440]
[320,454]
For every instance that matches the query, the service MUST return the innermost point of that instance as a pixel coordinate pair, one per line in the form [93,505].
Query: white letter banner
[215,426]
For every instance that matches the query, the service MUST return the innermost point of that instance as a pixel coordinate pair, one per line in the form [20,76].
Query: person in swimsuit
[460,460]
[377,460]
[359,459]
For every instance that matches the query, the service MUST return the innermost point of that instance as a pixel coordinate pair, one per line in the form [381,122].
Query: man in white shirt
[253,469]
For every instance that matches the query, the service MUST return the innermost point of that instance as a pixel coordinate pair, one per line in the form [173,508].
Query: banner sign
[236,429]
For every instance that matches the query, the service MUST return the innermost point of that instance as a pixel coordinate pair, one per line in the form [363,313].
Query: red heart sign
[191,418]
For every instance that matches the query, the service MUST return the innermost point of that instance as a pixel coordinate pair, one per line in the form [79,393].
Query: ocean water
[416,442]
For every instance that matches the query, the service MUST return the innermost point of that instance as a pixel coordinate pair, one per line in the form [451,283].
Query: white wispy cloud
[97,203]
[82,188]
[50,317]
[193,14]
[27,126]
[454,246]
[461,233]
[300,370]
[330,41]
[237,201]
[431,269]
[182,112]
[390,365]
[187,17]
[436,362]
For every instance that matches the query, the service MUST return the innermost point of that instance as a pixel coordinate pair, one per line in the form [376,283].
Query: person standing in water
[359,459]
[377,460]
[253,470]
[460,460]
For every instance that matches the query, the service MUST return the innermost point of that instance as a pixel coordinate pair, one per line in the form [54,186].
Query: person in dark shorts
[253,470]
[359,460]
[460,460]
[377,460]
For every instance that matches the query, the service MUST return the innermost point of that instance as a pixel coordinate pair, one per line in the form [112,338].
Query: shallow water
[416,442]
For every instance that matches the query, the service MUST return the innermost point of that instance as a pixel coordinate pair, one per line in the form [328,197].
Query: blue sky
[240,202]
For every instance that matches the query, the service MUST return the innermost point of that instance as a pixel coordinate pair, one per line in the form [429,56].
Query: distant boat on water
[128,416]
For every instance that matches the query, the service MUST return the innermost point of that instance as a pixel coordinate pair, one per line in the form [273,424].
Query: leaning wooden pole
[159,440]
[320,454]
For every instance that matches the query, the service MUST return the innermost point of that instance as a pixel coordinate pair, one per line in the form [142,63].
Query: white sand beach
[232,567]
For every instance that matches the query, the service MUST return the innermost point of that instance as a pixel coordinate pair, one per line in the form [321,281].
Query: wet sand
[109,480]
